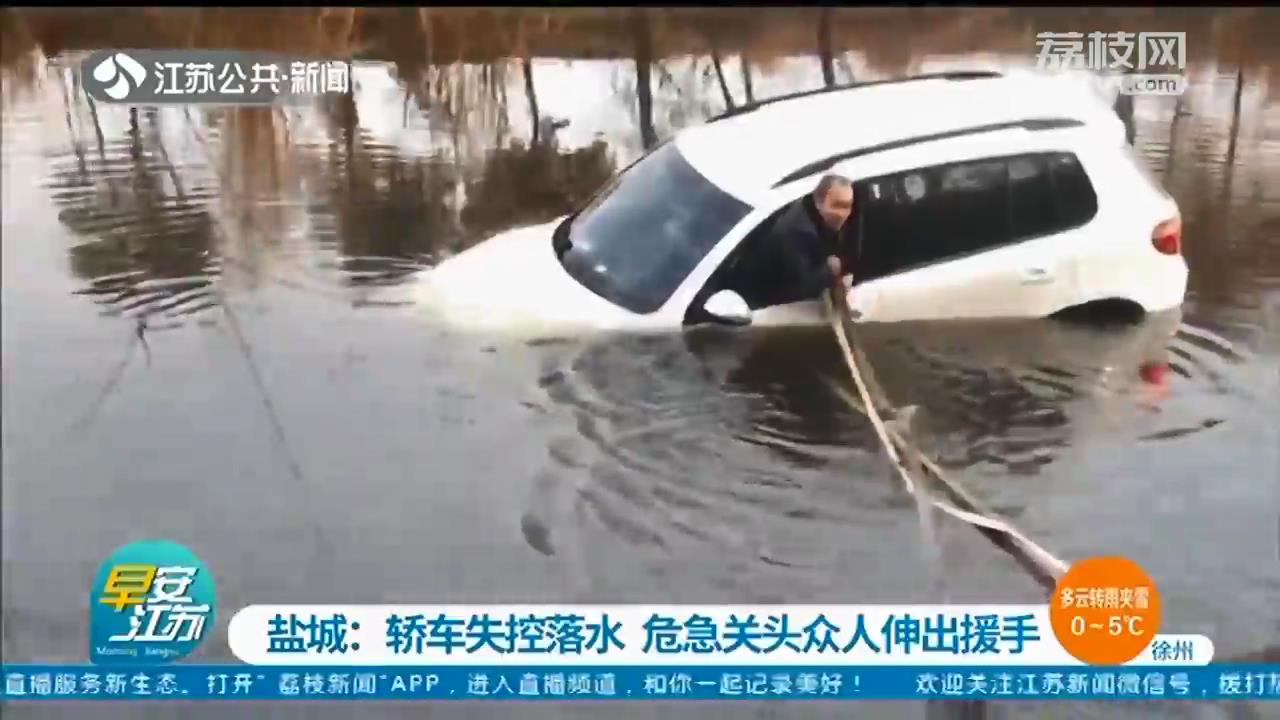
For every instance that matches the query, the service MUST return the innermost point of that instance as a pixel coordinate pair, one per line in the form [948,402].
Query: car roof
[750,151]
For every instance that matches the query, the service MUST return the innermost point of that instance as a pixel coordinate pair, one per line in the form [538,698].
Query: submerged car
[977,195]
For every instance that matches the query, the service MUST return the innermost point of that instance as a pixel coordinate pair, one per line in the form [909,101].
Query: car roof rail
[957,75]
[1030,124]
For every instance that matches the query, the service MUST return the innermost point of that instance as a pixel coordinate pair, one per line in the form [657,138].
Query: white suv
[978,195]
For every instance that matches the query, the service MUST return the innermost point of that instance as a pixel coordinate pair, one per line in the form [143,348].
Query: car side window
[1034,206]
[973,212]
[934,214]
[1076,200]
[894,231]
[881,216]
[1050,193]
[929,215]
[749,270]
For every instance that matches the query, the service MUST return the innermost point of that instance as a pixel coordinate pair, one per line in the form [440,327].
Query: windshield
[643,234]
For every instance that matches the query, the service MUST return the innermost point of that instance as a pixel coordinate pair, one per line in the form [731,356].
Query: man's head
[834,200]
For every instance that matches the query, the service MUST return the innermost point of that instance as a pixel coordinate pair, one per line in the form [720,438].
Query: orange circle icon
[1105,610]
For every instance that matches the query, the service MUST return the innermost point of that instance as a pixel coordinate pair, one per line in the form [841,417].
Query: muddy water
[211,333]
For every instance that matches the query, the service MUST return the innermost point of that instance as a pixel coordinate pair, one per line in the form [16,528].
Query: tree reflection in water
[149,240]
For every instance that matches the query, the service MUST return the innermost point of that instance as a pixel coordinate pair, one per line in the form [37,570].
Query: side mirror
[728,306]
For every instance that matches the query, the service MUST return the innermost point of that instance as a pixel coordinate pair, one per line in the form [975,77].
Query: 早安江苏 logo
[152,602]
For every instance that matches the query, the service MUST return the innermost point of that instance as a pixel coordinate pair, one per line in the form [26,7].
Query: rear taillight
[1153,373]
[1167,236]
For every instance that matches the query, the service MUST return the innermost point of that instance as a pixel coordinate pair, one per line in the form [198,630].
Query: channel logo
[120,75]
[152,602]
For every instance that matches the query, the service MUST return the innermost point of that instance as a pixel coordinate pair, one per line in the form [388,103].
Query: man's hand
[835,270]
[835,266]
[839,278]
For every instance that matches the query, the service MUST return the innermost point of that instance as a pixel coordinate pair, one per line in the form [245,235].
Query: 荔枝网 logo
[1149,63]
[152,602]
[118,75]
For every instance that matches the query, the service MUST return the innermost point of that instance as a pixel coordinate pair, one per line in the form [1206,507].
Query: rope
[1040,563]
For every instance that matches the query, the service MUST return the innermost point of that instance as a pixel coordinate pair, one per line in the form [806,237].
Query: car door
[938,242]
[751,271]
[1051,205]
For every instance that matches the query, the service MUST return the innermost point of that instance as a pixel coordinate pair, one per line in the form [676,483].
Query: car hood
[514,280]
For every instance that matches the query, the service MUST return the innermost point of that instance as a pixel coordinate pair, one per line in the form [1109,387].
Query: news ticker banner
[39,683]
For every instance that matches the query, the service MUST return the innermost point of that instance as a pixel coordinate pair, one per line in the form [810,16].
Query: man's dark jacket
[802,243]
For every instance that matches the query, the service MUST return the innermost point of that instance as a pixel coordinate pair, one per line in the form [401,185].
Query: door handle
[1036,276]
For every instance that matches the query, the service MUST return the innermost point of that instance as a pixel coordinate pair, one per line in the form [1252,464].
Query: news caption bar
[682,635]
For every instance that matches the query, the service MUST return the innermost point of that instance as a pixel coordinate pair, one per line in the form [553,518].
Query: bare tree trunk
[746,78]
[504,109]
[348,121]
[153,117]
[824,47]
[1173,135]
[76,145]
[724,86]
[848,68]
[500,101]
[1235,119]
[533,97]
[424,23]
[338,40]
[644,93]
[1124,108]
[193,27]
[138,166]
[97,127]
[1229,171]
